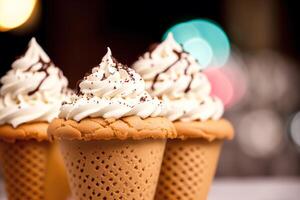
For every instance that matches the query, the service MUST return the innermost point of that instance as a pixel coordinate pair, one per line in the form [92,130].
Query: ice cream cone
[113,169]
[175,76]
[189,165]
[31,95]
[112,135]
[24,166]
[188,169]
[25,158]
[103,165]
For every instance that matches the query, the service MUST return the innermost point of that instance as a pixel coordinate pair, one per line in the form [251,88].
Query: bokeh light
[262,133]
[236,72]
[273,81]
[196,35]
[230,82]
[182,32]
[200,49]
[221,85]
[294,129]
[216,37]
[14,13]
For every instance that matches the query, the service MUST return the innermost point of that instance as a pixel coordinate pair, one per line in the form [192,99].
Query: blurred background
[263,71]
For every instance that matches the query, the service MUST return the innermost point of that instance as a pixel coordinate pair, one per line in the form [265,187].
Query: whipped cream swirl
[175,76]
[112,90]
[33,89]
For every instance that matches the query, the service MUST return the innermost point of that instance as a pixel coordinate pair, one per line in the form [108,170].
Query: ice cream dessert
[112,90]
[30,97]
[32,90]
[175,76]
[113,130]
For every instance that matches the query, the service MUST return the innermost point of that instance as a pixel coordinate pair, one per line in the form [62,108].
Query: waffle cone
[26,171]
[24,165]
[113,169]
[189,164]
[188,169]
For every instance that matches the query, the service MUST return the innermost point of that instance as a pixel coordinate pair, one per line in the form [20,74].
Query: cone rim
[209,130]
[28,131]
[132,127]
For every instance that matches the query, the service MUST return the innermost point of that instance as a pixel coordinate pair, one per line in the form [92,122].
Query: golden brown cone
[24,166]
[189,162]
[188,169]
[113,158]
[113,169]
[26,158]
[209,130]
[35,130]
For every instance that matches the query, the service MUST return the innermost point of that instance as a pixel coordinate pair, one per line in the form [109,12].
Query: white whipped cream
[32,90]
[175,76]
[112,90]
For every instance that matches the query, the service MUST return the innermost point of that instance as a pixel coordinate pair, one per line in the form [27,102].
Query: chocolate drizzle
[44,68]
[179,56]
[188,88]
[187,67]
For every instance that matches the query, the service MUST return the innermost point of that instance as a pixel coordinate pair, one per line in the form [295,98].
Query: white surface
[256,189]
[248,189]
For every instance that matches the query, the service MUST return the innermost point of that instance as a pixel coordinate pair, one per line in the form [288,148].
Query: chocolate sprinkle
[143,98]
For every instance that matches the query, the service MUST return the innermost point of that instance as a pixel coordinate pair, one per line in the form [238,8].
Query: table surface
[255,189]
[247,189]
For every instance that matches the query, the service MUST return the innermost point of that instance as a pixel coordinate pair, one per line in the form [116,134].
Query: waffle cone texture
[190,162]
[32,166]
[113,159]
